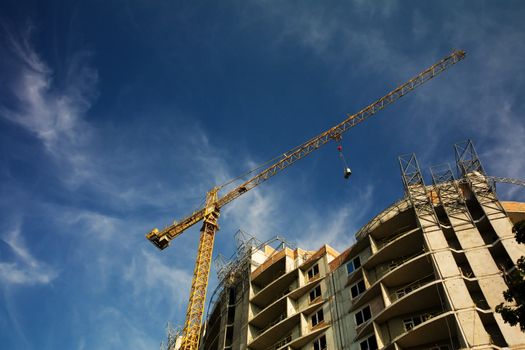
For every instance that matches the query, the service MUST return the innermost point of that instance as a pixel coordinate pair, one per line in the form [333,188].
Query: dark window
[357,288]
[369,343]
[314,271]
[317,318]
[363,315]
[320,343]
[314,293]
[358,318]
[229,336]
[366,313]
[231,300]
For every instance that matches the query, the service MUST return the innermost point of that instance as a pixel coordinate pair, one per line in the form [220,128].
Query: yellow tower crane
[210,213]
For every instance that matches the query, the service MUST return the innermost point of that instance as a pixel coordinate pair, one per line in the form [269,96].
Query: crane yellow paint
[210,213]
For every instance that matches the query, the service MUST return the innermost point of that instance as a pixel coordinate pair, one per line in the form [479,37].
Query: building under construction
[425,273]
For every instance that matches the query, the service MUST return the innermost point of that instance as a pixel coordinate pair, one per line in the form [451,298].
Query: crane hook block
[339,148]
[348,172]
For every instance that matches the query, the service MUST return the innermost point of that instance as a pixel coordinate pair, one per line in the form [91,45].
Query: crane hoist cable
[346,169]
[210,213]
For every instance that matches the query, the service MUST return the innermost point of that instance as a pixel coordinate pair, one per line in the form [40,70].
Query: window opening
[320,343]
[413,321]
[357,288]
[315,293]
[353,265]
[317,318]
[314,271]
[369,343]
[363,315]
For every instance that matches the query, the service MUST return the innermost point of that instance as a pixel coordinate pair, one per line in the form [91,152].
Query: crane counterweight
[159,242]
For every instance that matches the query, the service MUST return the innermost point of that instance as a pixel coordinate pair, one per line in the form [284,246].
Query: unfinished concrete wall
[467,285]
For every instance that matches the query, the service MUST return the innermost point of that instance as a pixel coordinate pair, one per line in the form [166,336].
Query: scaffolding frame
[230,270]
[449,193]
[416,190]
[472,171]
[467,159]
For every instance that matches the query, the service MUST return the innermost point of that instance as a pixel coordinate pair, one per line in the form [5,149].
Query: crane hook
[347,170]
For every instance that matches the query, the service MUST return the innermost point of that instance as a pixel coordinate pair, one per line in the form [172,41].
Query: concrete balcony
[406,269]
[270,270]
[426,297]
[412,270]
[268,337]
[437,329]
[400,291]
[395,235]
[398,216]
[303,340]
[273,314]
[301,291]
[276,289]
[404,244]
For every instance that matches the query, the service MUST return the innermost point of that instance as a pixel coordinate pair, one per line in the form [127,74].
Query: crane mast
[210,213]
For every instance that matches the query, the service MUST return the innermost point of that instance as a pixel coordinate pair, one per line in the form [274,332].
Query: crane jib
[308,147]
[210,214]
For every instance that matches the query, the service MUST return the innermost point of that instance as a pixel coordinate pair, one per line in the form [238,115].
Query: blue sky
[118,116]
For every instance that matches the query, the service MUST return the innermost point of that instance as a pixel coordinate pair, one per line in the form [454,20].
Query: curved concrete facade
[402,285]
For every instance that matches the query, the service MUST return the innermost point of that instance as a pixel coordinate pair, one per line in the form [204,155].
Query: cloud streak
[24,268]
[53,113]
[479,100]
[335,227]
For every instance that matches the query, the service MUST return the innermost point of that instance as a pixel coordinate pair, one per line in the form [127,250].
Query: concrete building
[426,273]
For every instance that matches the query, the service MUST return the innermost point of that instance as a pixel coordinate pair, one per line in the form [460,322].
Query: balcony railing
[415,320]
[285,340]
[397,233]
[395,263]
[273,323]
[401,292]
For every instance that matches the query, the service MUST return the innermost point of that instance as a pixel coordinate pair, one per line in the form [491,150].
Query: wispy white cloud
[381,9]
[271,210]
[327,33]
[503,157]
[115,329]
[24,268]
[420,27]
[51,112]
[335,227]
[482,102]
[479,100]
[259,213]
[56,112]
[13,319]
[148,272]
[93,224]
